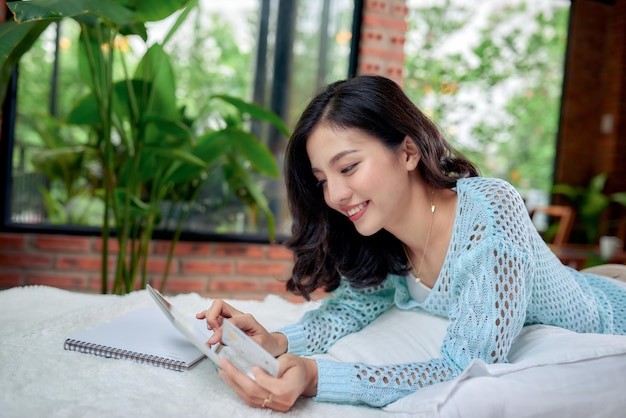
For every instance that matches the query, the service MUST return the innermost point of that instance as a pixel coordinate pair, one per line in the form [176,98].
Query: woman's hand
[274,343]
[297,376]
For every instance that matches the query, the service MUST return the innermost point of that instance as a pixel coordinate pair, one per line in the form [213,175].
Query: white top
[418,290]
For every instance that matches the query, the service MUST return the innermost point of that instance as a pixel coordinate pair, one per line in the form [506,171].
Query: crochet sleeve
[488,316]
[347,311]
[491,308]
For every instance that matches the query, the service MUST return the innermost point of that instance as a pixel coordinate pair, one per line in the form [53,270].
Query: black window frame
[7,139]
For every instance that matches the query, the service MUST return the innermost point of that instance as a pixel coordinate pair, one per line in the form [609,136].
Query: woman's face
[362,178]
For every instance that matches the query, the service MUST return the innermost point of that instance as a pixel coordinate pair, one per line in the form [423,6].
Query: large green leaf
[247,191]
[209,148]
[35,10]
[91,60]
[137,208]
[164,132]
[15,40]
[154,10]
[133,100]
[178,154]
[85,112]
[156,68]
[57,159]
[255,111]
[253,150]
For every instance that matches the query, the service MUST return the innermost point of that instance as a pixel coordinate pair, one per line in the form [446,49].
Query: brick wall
[382,41]
[226,270]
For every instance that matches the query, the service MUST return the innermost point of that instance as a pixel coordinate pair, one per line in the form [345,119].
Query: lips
[355,212]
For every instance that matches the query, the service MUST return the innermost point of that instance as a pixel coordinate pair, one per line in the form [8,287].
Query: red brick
[206,267]
[86,263]
[25,260]
[239,250]
[274,287]
[400,9]
[61,243]
[158,265]
[394,72]
[379,6]
[279,252]
[386,54]
[262,269]
[57,280]
[95,283]
[10,279]
[183,248]
[370,66]
[113,245]
[11,242]
[384,22]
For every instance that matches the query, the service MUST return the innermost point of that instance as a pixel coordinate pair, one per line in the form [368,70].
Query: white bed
[552,372]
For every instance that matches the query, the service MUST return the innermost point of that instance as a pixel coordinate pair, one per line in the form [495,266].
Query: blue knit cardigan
[497,277]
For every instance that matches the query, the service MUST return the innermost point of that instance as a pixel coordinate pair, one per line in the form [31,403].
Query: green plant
[591,202]
[147,149]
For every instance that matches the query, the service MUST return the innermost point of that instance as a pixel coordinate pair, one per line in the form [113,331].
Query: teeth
[355,209]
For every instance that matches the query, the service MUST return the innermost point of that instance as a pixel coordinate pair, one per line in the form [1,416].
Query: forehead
[325,142]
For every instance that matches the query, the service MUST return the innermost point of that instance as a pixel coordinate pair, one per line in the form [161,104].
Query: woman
[386,212]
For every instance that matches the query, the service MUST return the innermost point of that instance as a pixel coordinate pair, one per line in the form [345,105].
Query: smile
[355,212]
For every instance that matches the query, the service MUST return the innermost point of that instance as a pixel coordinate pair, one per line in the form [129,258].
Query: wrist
[280,344]
[311,378]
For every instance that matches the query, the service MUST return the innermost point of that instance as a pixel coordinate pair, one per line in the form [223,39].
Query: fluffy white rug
[38,378]
[552,372]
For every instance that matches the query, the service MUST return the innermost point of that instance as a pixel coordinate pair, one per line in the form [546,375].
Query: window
[276,53]
[490,74]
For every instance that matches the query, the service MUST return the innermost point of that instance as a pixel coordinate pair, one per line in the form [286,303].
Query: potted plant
[591,203]
[145,146]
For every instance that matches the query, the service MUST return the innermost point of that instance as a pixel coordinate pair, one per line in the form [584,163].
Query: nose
[337,192]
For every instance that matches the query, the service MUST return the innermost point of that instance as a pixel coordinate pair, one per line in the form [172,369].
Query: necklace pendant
[418,280]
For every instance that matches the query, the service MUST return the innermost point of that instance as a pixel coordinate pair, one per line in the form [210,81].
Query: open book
[238,347]
[147,336]
[143,335]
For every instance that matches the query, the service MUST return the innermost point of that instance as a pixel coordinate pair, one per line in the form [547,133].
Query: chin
[367,232]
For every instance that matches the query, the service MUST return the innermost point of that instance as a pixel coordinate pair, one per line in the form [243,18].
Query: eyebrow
[337,157]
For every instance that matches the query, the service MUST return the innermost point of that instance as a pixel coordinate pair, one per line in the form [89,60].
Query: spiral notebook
[145,336]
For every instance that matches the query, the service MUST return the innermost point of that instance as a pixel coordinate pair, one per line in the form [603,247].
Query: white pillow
[550,371]
[396,336]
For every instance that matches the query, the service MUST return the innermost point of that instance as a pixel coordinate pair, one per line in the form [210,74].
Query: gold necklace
[430,228]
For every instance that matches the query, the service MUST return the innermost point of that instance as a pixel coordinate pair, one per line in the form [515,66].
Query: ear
[410,154]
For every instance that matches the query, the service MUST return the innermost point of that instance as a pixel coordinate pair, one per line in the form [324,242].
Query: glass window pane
[231,48]
[490,74]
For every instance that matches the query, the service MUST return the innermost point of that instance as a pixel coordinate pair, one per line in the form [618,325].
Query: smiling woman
[374,187]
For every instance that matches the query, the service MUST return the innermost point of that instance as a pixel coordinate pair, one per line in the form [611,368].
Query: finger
[246,388]
[247,323]
[218,310]
[282,395]
[216,337]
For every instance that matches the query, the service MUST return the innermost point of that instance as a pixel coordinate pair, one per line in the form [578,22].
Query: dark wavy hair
[325,243]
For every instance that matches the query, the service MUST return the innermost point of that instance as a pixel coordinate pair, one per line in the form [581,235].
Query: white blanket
[553,372]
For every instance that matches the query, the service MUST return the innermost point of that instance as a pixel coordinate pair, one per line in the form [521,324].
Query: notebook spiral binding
[115,353]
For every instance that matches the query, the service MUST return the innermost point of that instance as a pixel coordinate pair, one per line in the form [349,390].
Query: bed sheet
[39,378]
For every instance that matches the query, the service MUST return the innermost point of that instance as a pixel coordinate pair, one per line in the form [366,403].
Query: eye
[349,168]
[321,183]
